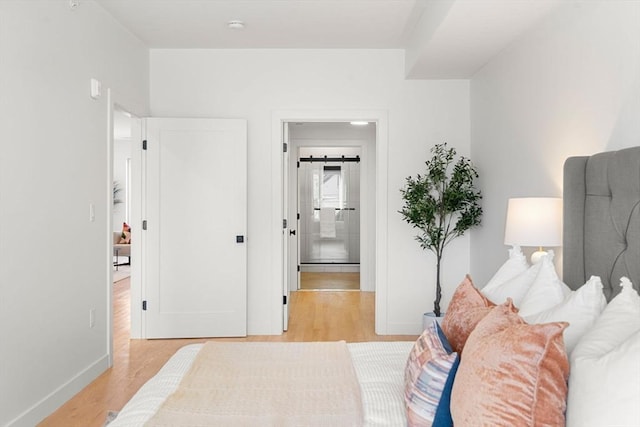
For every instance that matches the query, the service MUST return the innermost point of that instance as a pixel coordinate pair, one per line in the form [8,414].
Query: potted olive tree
[442,204]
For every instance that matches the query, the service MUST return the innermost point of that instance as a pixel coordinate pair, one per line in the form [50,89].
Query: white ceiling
[442,38]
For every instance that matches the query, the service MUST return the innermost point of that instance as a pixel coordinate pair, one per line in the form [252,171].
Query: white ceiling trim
[441,38]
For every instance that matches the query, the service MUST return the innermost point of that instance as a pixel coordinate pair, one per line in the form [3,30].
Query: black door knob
[292,232]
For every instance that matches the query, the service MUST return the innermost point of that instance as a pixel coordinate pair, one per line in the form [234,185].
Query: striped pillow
[429,375]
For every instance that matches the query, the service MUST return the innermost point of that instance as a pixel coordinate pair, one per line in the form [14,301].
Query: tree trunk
[436,302]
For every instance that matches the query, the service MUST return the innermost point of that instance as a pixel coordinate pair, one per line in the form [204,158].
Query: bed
[378,366]
[601,238]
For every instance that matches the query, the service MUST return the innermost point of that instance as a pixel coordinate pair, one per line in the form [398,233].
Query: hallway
[324,280]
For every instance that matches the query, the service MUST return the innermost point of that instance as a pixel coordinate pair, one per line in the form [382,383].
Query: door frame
[115,102]
[380,117]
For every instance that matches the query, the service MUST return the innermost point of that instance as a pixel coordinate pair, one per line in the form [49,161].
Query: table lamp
[534,221]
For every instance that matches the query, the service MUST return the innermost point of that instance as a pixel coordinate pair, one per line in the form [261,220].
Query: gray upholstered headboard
[602,219]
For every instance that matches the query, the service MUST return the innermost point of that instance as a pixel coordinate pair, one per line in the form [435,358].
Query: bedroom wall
[569,87]
[253,84]
[54,262]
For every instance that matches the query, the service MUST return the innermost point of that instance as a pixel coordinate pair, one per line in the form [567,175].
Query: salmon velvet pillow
[467,307]
[512,374]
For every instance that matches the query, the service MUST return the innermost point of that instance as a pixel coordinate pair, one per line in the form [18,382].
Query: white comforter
[379,367]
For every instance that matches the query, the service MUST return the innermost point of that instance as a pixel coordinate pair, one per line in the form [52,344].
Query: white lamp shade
[534,221]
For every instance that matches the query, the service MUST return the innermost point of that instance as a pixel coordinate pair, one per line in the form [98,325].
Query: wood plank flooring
[329,280]
[314,316]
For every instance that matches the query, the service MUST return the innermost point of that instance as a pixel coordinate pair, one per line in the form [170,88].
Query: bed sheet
[379,367]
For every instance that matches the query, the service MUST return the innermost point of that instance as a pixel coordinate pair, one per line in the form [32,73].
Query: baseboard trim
[50,403]
[404,328]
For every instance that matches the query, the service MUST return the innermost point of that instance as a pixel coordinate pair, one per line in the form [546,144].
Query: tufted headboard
[602,219]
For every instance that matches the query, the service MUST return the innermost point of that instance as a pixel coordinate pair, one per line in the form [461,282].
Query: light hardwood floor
[314,316]
[326,280]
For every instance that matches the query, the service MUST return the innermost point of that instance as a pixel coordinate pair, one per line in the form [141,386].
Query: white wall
[253,84]
[570,87]
[54,263]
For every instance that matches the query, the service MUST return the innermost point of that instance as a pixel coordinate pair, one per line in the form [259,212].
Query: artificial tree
[442,204]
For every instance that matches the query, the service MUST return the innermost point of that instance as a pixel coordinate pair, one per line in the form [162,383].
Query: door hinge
[298,268]
[144,144]
[144,224]
[298,215]
[298,163]
[285,146]
[284,300]
[284,223]
[144,305]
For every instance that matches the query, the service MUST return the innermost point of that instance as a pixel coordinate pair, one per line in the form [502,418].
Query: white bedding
[379,367]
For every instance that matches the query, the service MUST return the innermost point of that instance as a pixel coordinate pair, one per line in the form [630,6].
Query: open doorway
[374,205]
[332,178]
[123,178]
[328,199]
[122,183]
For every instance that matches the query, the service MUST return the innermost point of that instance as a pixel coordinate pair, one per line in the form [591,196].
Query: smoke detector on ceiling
[235,25]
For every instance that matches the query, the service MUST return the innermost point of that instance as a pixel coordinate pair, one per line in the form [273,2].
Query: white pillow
[580,308]
[618,321]
[512,280]
[604,384]
[546,291]
[515,265]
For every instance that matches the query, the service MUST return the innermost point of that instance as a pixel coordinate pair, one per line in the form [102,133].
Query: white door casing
[296,282]
[292,209]
[288,221]
[195,282]
[378,243]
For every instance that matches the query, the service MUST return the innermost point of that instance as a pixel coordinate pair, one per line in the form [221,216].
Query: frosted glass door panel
[329,195]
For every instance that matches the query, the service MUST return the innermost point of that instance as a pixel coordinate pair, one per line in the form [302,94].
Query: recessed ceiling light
[359,123]
[235,25]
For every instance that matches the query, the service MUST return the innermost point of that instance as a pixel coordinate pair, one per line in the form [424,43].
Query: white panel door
[195,257]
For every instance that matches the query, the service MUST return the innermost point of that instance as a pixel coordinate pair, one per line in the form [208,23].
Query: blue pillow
[428,398]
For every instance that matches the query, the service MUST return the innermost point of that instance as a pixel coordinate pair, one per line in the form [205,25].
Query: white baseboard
[404,328]
[46,406]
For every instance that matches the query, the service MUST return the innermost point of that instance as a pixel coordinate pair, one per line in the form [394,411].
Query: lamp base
[537,256]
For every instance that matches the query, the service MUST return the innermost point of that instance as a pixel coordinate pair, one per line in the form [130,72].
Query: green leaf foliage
[442,203]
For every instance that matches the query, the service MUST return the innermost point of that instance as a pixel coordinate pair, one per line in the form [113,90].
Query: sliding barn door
[195,271]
